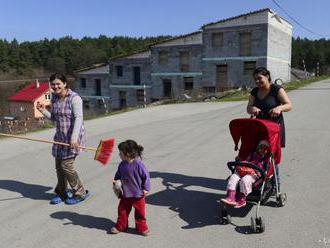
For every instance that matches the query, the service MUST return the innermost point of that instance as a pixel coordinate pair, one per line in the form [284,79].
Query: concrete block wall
[171,70]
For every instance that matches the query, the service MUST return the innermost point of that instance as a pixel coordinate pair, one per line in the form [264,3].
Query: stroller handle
[232,164]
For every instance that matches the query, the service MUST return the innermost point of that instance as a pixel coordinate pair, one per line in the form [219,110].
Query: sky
[34,20]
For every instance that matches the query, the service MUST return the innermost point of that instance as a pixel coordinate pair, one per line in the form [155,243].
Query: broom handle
[45,141]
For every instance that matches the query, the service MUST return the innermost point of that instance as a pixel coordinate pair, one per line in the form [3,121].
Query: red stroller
[249,132]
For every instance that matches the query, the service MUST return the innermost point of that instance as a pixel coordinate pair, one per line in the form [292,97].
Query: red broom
[102,152]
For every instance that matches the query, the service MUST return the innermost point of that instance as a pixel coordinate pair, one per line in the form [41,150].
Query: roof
[177,38]
[97,68]
[141,54]
[30,92]
[242,15]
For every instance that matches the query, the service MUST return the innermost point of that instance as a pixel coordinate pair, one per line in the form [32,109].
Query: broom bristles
[104,151]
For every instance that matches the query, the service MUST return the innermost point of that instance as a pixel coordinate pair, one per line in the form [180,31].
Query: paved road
[186,149]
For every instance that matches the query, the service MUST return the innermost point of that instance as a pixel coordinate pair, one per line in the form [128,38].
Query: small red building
[23,103]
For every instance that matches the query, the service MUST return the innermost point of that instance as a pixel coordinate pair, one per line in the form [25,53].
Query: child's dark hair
[263,71]
[131,149]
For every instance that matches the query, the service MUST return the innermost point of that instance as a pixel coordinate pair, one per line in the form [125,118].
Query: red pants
[125,207]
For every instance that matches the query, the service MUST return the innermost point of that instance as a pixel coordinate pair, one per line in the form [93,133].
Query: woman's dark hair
[60,77]
[263,71]
[131,149]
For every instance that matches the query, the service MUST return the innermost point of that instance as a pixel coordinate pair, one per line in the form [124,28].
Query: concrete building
[130,80]
[234,47]
[219,56]
[92,84]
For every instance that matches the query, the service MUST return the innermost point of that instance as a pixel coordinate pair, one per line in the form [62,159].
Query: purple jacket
[134,178]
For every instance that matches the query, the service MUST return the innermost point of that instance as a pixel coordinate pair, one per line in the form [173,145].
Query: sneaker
[240,204]
[58,199]
[230,198]
[76,200]
[229,201]
[145,233]
[114,230]
[241,201]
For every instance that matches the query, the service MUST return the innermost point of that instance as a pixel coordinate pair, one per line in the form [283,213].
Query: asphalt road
[186,150]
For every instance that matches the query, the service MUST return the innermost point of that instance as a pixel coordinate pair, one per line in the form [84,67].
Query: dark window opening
[163,57]
[83,82]
[137,75]
[217,39]
[167,88]
[188,83]
[98,87]
[245,44]
[119,70]
[249,67]
[184,61]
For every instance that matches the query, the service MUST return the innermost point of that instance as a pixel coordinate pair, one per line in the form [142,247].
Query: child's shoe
[145,233]
[230,198]
[114,230]
[241,201]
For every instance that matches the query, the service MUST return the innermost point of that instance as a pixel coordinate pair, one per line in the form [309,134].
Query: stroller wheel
[253,225]
[281,200]
[225,218]
[261,225]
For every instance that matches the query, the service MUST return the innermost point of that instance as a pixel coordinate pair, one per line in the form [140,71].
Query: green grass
[244,95]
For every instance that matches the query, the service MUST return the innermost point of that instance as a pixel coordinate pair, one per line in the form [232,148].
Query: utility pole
[303,61]
[144,95]
[318,68]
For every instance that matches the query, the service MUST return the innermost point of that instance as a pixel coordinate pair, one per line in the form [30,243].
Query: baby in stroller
[246,176]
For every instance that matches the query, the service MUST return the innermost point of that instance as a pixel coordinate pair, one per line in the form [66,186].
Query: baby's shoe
[230,198]
[241,201]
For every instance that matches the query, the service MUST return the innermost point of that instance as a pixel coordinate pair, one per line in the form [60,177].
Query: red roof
[30,92]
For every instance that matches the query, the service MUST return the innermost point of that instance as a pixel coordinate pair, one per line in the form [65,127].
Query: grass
[244,94]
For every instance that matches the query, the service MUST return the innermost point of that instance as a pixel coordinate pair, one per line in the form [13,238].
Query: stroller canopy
[250,131]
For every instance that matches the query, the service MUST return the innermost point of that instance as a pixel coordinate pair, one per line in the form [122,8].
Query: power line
[296,21]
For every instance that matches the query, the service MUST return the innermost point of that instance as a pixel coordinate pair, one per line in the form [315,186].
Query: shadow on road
[84,220]
[196,208]
[32,191]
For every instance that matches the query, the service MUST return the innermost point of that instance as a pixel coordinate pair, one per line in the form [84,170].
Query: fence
[23,126]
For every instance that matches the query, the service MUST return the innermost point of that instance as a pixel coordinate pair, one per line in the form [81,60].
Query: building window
[184,61]
[137,75]
[217,39]
[119,70]
[245,44]
[221,77]
[163,57]
[188,83]
[122,99]
[83,82]
[167,88]
[140,95]
[249,67]
[98,87]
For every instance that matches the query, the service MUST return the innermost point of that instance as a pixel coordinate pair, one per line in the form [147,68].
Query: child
[135,181]
[245,176]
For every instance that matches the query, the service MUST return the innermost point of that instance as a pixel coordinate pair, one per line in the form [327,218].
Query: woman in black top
[268,101]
